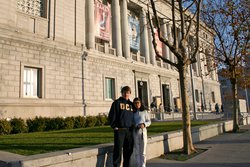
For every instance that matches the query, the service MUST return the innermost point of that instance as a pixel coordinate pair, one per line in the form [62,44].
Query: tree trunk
[235,105]
[188,146]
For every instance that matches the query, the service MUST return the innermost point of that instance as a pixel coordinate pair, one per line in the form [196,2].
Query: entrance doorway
[166,97]
[143,92]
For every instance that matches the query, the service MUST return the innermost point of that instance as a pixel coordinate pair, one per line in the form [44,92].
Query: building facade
[227,95]
[61,58]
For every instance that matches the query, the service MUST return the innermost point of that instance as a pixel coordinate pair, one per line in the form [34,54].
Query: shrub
[18,126]
[79,122]
[91,121]
[37,124]
[102,120]
[5,127]
[68,123]
[54,123]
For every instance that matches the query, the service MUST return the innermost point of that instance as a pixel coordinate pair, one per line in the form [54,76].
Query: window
[197,95]
[110,88]
[32,83]
[213,97]
[33,7]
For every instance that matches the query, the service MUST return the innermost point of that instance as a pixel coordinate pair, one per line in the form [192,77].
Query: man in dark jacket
[121,120]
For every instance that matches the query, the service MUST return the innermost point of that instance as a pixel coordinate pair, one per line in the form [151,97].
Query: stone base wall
[101,155]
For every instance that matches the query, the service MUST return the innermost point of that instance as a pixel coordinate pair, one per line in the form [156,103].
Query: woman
[141,120]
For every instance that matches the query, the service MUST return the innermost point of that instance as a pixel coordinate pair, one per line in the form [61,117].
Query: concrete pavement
[226,150]
[6,157]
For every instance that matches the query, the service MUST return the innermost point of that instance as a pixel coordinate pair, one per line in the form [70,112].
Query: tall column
[80,30]
[90,6]
[151,48]
[144,41]
[125,34]
[51,14]
[169,32]
[116,27]
[165,51]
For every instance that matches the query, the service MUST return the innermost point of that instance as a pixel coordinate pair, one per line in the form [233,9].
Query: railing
[134,56]
[105,49]
[34,24]
[158,63]
[142,59]
[165,65]
[100,48]
[112,51]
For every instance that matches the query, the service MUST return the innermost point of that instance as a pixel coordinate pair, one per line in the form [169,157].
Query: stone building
[67,58]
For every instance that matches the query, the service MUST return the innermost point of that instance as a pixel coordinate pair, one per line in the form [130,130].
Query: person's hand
[141,126]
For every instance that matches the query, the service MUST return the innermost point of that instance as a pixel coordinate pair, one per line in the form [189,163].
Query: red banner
[102,20]
[158,42]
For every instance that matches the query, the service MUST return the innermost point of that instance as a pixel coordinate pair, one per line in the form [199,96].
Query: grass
[42,142]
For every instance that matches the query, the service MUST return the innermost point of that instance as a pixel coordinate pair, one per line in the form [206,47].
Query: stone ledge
[101,155]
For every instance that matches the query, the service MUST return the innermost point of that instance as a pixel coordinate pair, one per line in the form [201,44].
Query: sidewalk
[226,150]
[6,157]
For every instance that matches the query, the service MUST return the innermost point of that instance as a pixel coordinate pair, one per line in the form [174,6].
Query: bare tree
[188,24]
[230,21]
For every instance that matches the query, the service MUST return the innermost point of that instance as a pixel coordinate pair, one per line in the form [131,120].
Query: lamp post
[192,82]
[246,93]
[202,83]
[203,90]
[202,104]
[193,93]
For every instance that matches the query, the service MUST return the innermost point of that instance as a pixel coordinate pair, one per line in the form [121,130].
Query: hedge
[18,126]
[40,124]
[5,127]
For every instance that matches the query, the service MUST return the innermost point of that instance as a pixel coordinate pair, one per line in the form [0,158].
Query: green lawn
[42,142]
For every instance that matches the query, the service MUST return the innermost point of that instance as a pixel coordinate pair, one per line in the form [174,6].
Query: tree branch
[193,57]
[163,40]
[155,45]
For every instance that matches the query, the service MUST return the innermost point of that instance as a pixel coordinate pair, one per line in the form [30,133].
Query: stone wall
[61,93]
[101,155]
[71,86]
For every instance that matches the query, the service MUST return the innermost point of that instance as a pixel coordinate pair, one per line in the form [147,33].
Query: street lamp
[192,81]
[193,93]
[202,83]
[203,90]
[202,105]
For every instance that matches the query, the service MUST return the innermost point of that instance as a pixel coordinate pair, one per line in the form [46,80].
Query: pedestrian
[153,106]
[217,108]
[121,121]
[161,108]
[222,109]
[142,121]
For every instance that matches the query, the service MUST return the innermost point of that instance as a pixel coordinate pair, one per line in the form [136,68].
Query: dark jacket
[121,113]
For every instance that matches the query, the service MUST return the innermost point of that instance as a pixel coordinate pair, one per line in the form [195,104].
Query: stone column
[80,31]
[51,13]
[151,48]
[125,32]
[90,6]
[144,41]
[165,52]
[116,27]
[169,34]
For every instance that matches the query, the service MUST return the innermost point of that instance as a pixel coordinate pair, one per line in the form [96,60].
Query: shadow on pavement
[199,165]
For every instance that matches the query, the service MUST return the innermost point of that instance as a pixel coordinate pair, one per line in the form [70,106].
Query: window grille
[32,7]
